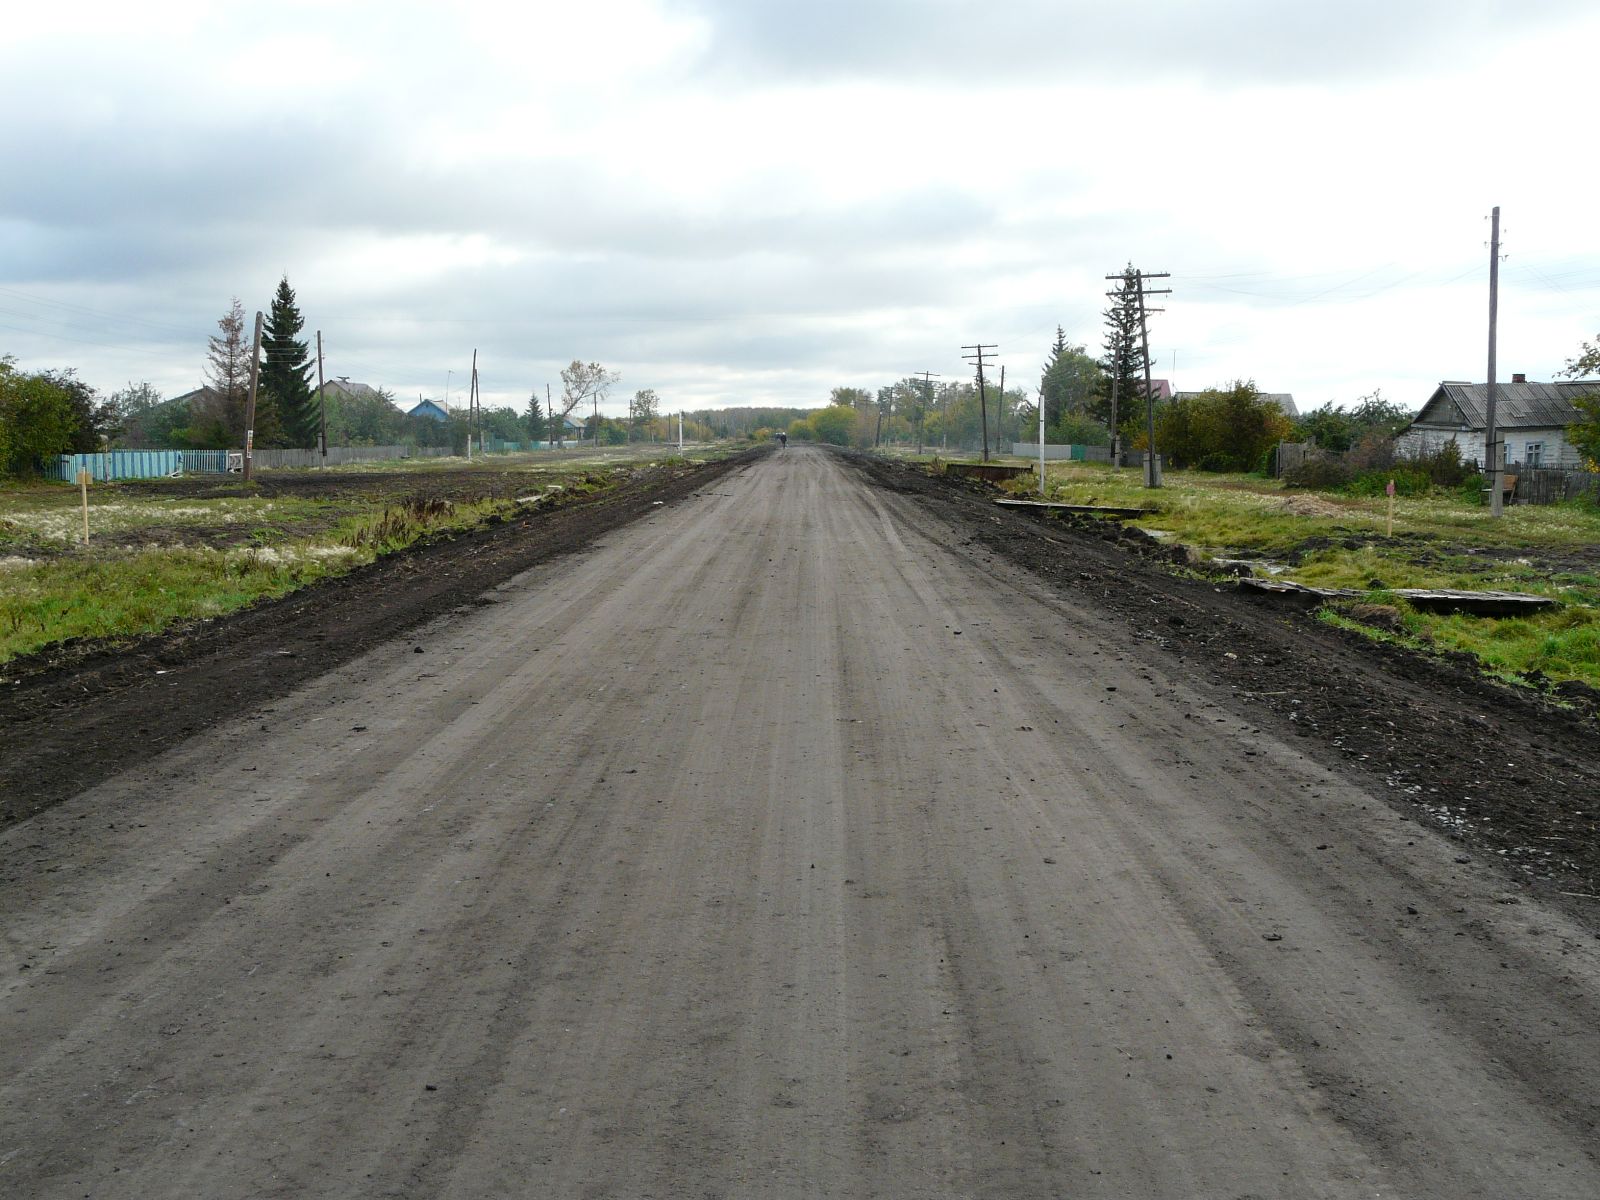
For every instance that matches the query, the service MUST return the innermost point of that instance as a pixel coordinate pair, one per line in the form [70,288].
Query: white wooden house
[1531,421]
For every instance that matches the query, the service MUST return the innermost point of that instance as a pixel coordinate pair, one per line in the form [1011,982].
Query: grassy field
[162,551]
[1444,539]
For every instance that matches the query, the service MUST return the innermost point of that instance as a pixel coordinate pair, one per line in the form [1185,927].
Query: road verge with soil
[69,719]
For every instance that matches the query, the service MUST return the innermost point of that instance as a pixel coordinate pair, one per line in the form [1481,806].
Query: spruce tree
[1124,358]
[535,419]
[285,378]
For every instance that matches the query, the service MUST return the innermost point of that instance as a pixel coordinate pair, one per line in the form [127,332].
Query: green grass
[232,551]
[1441,540]
[52,600]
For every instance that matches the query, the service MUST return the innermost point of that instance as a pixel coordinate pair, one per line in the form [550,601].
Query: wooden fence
[1550,485]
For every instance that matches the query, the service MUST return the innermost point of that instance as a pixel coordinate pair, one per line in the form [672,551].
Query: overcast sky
[750,202]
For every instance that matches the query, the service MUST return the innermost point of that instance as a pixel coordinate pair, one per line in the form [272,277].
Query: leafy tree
[534,418]
[644,408]
[137,409]
[1220,429]
[582,382]
[37,418]
[285,378]
[228,376]
[850,397]
[835,425]
[94,420]
[1337,431]
[1584,434]
[1122,368]
[502,423]
[367,419]
[605,431]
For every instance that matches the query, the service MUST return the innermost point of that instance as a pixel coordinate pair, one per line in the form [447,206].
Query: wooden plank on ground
[1444,600]
[1103,510]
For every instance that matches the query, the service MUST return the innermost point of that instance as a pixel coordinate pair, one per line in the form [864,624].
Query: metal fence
[1072,452]
[116,464]
[158,464]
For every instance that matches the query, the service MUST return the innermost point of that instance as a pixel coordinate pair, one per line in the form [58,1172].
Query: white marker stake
[83,483]
[1041,443]
[1390,490]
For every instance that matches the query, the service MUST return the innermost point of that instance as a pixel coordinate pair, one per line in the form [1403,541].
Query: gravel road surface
[778,845]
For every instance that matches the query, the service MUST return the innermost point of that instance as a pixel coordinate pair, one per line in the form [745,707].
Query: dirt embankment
[1508,771]
[72,715]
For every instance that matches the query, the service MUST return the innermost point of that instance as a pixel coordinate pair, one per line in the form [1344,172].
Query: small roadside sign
[83,484]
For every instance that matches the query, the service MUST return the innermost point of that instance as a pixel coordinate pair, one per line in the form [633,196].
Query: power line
[983,400]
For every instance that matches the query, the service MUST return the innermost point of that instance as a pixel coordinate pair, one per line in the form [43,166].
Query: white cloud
[725,198]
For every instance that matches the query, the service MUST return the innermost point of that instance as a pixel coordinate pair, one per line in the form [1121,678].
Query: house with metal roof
[343,388]
[427,408]
[1530,420]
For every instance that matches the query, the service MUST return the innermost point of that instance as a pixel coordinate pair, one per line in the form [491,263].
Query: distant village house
[1531,420]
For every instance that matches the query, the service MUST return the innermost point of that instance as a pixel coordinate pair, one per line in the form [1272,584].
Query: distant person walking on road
[783,439]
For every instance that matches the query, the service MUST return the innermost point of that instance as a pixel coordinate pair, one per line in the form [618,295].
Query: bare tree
[228,373]
[583,382]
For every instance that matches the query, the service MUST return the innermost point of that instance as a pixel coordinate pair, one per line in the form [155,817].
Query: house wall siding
[1557,452]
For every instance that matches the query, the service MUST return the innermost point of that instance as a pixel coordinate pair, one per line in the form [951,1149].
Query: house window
[1533,456]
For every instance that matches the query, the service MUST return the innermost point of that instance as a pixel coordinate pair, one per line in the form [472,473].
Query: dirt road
[779,845]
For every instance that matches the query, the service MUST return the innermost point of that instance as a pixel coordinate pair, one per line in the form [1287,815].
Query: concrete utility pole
[977,355]
[1041,441]
[1152,478]
[1491,440]
[250,403]
[927,402]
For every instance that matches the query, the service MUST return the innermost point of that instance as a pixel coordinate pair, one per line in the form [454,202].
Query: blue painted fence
[117,464]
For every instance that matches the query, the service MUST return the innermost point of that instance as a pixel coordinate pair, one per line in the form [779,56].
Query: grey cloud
[970,42]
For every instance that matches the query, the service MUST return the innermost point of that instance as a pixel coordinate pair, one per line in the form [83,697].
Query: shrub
[1326,474]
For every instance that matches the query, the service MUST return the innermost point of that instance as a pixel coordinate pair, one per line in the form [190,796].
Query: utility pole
[1491,441]
[322,403]
[927,402]
[1041,441]
[1151,478]
[978,356]
[472,391]
[680,431]
[250,403]
[1000,410]
[1116,380]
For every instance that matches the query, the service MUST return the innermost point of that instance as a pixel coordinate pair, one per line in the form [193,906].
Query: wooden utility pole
[1491,441]
[1151,478]
[978,355]
[1000,410]
[250,403]
[1116,380]
[927,402]
[472,408]
[322,404]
